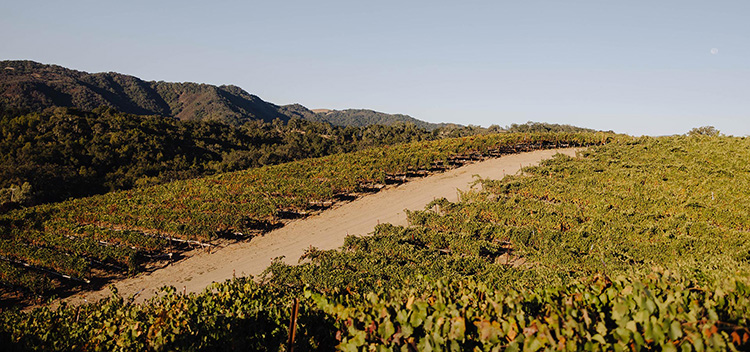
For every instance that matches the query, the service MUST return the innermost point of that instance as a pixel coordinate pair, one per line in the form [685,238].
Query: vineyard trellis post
[293,325]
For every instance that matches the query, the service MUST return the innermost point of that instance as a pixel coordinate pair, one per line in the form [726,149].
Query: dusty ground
[326,230]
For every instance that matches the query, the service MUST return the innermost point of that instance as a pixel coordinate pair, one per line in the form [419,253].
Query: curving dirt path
[326,230]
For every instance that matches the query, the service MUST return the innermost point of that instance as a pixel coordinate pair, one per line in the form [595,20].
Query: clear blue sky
[639,67]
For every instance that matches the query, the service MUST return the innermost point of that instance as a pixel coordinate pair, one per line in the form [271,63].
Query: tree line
[59,153]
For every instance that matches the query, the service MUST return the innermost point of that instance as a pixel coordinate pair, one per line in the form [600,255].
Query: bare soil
[325,230]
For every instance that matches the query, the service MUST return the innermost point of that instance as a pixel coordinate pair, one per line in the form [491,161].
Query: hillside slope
[324,231]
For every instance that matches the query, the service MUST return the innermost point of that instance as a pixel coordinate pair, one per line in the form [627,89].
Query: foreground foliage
[656,312]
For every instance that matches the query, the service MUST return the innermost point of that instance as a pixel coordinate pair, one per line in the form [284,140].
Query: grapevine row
[123,229]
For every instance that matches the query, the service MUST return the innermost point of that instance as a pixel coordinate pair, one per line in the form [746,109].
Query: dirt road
[326,230]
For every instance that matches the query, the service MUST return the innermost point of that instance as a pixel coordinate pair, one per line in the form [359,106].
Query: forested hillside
[638,244]
[60,153]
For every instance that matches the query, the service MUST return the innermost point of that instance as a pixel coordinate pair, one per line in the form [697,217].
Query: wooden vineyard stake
[293,326]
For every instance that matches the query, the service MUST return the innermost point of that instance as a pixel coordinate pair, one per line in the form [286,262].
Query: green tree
[704,131]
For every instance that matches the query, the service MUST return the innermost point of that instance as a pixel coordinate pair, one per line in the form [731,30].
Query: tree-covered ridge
[31,87]
[27,86]
[640,244]
[61,153]
[362,117]
[542,127]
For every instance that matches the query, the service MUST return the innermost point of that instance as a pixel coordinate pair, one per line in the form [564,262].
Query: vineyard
[84,243]
[639,244]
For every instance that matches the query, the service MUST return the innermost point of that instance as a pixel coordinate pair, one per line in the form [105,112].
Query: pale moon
[714,51]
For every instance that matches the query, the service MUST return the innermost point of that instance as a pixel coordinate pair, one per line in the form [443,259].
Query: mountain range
[32,86]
